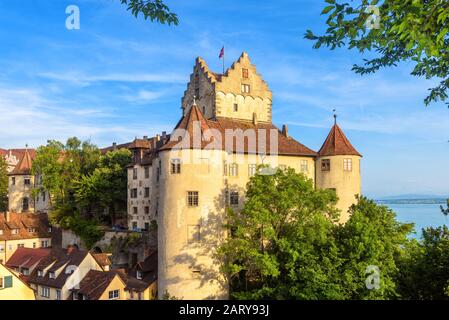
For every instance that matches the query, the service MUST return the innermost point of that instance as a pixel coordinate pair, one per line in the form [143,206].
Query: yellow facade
[8,247]
[116,284]
[345,180]
[12,287]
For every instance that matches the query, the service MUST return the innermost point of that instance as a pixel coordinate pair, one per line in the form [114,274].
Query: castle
[186,180]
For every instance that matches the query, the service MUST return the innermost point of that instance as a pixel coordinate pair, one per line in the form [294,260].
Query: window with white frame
[192,198]
[58,294]
[45,292]
[233,169]
[246,88]
[114,294]
[347,164]
[52,275]
[252,170]
[44,244]
[15,231]
[176,166]
[304,166]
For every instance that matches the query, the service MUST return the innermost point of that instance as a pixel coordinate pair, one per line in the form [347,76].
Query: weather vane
[335,115]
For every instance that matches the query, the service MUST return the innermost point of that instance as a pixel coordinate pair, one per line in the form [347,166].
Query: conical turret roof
[337,144]
[24,165]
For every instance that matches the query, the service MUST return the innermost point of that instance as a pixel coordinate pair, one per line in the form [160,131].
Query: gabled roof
[23,221]
[336,143]
[24,165]
[58,258]
[27,257]
[96,282]
[262,130]
[102,259]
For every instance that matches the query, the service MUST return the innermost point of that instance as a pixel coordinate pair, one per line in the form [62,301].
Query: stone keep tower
[338,168]
[239,93]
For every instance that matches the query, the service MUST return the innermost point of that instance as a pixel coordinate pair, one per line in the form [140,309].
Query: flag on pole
[221,53]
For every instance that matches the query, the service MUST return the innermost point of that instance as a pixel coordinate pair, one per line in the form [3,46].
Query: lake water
[423,215]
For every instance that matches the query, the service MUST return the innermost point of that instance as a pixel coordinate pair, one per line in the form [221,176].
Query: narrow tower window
[236,107]
[175,166]
[245,73]
[347,164]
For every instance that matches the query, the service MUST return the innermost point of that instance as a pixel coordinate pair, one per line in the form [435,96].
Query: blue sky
[119,77]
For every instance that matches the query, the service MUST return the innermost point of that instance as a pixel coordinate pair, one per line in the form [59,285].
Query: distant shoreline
[442,201]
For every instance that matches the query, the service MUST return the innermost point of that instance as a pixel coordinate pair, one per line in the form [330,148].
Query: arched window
[25,204]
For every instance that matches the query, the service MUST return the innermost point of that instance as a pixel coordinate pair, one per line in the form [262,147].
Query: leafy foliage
[152,9]
[3,185]
[286,244]
[414,31]
[82,184]
[424,268]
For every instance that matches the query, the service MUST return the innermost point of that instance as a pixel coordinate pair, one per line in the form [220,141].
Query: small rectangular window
[58,294]
[234,198]
[325,165]
[236,107]
[233,169]
[13,181]
[252,170]
[304,166]
[134,210]
[246,88]
[135,173]
[114,294]
[175,166]
[147,192]
[27,181]
[134,193]
[245,73]
[347,164]
[192,198]
[147,210]
[147,172]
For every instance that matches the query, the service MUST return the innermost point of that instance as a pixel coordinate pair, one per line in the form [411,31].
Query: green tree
[371,237]
[412,31]
[155,10]
[3,185]
[281,244]
[286,243]
[424,268]
[110,176]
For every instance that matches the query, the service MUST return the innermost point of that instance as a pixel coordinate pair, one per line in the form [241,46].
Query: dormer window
[15,231]
[40,273]
[32,230]
[1,232]
[49,229]
[52,275]
[139,275]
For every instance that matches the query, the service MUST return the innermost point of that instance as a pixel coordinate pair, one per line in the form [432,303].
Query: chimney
[145,137]
[158,138]
[114,145]
[70,249]
[254,118]
[285,130]
[164,136]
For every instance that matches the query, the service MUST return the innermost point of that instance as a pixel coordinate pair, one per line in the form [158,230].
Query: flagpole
[223,63]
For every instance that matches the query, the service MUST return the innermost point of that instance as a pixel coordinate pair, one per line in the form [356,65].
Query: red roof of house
[336,143]
[27,257]
[24,165]
[217,136]
[30,225]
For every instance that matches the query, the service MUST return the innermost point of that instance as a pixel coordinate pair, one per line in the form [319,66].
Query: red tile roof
[24,221]
[336,143]
[27,257]
[262,130]
[102,259]
[24,165]
[57,258]
[96,282]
